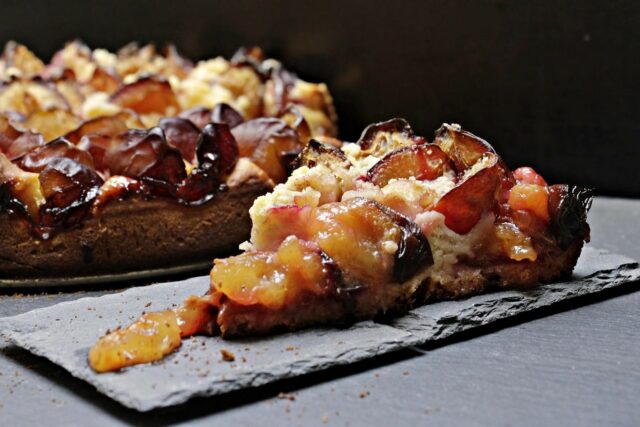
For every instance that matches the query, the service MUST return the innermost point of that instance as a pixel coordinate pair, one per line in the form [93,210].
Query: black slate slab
[64,333]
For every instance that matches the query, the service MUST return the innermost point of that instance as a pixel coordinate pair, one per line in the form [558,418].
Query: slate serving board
[83,281]
[64,333]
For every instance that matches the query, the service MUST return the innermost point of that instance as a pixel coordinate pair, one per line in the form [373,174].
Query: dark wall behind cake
[551,84]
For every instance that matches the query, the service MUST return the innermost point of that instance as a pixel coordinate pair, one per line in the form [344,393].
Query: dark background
[551,84]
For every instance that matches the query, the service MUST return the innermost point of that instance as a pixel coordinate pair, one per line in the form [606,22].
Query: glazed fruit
[463,206]
[463,148]
[269,143]
[147,95]
[146,155]
[181,134]
[423,162]
[381,138]
[69,188]
[272,279]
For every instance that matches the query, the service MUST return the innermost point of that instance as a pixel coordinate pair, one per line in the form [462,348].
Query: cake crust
[125,234]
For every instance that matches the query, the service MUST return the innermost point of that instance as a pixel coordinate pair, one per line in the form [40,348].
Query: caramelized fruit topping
[153,336]
[463,206]
[380,138]
[37,159]
[270,143]
[463,148]
[104,126]
[568,207]
[146,155]
[15,143]
[69,188]
[424,162]
[147,95]
[181,134]
[371,242]
[272,279]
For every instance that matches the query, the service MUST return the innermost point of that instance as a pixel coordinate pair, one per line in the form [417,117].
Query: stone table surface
[573,364]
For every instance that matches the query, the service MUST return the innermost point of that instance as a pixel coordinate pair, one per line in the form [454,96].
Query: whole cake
[138,160]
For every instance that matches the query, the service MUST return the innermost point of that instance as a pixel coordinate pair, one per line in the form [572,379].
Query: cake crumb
[325,419]
[227,355]
[363,394]
[288,396]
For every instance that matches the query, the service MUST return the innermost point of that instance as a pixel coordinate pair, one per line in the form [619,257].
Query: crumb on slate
[288,396]
[227,355]
[364,394]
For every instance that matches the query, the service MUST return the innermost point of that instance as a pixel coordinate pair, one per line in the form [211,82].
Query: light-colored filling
[414,198]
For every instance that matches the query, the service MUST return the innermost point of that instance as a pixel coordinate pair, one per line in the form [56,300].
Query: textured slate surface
[63,334]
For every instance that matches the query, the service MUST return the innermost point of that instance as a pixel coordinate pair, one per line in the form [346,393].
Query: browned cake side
[554,265]
[237,320]
[136,234]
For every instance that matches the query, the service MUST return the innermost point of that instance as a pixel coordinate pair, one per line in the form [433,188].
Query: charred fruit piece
[414,251]
[38,159]
[380,138]
[181,134]
[463,206]
[424,162]
[317,153]
[145,154]
[69,188]
[269,143]
[147,95]
[568,207]
[462,147]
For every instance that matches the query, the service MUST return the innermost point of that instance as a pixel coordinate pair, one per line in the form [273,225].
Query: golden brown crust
[236,320]
[553,265]
[137,234]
